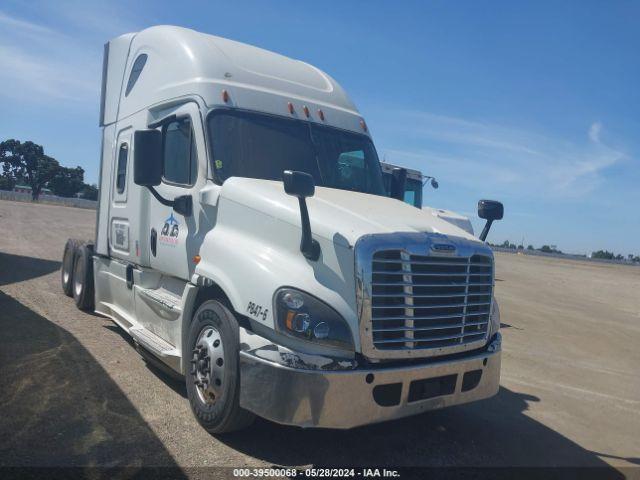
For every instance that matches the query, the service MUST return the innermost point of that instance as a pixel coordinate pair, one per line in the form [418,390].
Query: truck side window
[136,70]
[180,161]
[121,178]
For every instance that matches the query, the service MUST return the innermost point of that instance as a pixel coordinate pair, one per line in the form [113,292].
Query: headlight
[494,321]
[302,316]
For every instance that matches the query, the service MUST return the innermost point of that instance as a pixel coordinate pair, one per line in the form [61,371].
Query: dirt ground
[74,392]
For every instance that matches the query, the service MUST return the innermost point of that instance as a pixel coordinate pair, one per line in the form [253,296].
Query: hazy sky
[535,104]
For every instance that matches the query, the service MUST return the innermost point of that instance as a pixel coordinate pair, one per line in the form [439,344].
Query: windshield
[413,192]
[247,144]
[412,189]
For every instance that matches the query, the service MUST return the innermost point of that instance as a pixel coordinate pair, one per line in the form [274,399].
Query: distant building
[27,189]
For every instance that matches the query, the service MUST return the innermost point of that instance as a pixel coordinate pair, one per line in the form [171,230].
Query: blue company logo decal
[443,247]
[170,231]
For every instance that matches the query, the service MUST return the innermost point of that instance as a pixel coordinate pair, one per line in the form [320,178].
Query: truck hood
[338,215]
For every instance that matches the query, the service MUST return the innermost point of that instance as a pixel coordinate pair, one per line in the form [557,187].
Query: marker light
[305,109]
[196,259]
[290,105]
[225,96]
[363,125]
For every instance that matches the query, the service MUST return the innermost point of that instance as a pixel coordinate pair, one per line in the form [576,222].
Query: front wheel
[83,292]
[68,260]
[213,382]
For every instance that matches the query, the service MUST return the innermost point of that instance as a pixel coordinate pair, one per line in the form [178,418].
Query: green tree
[6,183]
[7,178]
[67,182]
[530,247]
[90,192]
[603,254]
[28,161]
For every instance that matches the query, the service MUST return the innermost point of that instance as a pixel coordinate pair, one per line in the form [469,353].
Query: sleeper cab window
[121,177]
[136,70]
[180,161]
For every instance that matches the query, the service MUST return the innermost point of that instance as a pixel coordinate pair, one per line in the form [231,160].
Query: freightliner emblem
[443,247]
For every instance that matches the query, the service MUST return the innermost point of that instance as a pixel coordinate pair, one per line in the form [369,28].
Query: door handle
[129,276]
[154,241]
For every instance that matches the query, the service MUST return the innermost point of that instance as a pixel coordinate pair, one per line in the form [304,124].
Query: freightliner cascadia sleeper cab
[245,241]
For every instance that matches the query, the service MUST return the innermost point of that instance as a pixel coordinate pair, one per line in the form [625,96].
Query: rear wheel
[83,292]
[213,383]
[66,272]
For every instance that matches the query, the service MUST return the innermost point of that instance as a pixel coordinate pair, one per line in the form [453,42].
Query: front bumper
[360,396]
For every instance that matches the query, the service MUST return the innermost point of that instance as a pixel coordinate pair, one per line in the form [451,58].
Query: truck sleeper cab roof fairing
[181,63]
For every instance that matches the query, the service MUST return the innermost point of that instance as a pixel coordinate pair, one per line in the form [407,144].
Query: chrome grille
[429,302]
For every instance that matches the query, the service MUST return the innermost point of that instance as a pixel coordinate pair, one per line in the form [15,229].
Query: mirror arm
[309,247]
[485,230]
[182,205]
[161,199]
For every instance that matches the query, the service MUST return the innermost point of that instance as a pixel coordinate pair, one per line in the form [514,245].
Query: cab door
[121,206]
[172,236]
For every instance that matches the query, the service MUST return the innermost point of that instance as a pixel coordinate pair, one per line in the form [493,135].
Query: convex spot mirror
[147,161]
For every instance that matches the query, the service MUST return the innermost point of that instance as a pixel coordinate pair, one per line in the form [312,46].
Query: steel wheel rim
[66,268]
[77,280]
[207,365]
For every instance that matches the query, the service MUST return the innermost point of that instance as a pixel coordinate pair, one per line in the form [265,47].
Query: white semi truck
[414,184]
[245,241]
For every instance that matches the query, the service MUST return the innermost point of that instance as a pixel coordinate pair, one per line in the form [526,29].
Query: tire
[83,291]
[66,271]
[216,403]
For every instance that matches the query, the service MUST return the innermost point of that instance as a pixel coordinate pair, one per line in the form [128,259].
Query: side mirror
[489,210]
[301,185]
[398,183]
[434,183]
[147,169]
[298,184]
[147,161]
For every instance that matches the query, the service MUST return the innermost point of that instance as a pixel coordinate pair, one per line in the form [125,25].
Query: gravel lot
[74,392]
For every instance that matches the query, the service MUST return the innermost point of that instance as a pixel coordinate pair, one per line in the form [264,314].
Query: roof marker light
[225,96]
[321,115]
[305,109]
[290,105]
[363,125]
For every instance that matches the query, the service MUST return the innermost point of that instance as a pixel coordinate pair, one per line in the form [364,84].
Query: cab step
[155,344]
